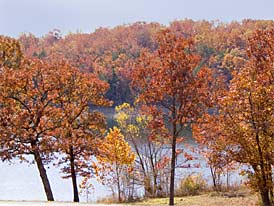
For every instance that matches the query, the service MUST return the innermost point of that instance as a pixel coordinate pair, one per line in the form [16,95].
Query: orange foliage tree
[10,52]
[169,78]
[45,109]
[242,129]
[28,113]
[80,128]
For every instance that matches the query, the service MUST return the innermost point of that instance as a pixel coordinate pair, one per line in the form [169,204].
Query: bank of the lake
[200,200]
[205,200]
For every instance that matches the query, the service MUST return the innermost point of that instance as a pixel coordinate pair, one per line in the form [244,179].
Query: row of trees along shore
[217,79]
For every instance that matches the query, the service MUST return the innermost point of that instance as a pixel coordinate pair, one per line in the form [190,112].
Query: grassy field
[200,200]
[205,200]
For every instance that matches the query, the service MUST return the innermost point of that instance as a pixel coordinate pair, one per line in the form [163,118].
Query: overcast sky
[41,16]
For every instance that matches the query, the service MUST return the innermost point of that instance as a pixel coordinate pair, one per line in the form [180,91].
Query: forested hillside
[111,53]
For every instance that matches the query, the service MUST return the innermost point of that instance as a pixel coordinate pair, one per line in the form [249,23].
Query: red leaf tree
[29,116]
[80,129]
[171,79]
[242,129]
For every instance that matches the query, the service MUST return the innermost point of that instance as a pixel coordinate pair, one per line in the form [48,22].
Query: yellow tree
[116,153]
[243,128]
[149,154]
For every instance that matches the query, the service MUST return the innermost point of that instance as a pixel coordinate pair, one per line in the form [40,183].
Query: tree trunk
[154,189]
[172,173]
[119,191]
[173,154]
[155,186]
[43,175]
[266,193]
[227,180]
[213,178]
[265,198]
[118,184]
[270,180]
[73,177]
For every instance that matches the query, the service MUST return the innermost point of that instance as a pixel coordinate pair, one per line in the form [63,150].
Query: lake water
[21,181]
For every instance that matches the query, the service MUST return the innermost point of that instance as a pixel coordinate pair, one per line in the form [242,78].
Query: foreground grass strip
[204,200]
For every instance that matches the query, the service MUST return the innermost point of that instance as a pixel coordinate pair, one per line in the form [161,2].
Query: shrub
[191,185]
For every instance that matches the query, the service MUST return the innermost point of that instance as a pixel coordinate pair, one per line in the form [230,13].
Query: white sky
[41,16]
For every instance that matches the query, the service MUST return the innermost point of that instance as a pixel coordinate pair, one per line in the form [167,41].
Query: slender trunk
[213,178]
[154,189]
[270,179]
[73,176]
[131,190]
[118,184]
[172,173]
[155,185]
[264,191]
[265,197]
[119,192]
[141,163]
[43,175]
[227,180]
[173,154]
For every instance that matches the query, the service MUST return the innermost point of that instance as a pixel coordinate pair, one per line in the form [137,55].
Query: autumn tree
[30,44]
[10,52]
[242,129]
[220,165]
[116,154]
[81,128]
[29,115]
[169,79]
[150,155]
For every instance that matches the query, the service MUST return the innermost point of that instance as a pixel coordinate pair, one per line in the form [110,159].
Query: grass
[204,200]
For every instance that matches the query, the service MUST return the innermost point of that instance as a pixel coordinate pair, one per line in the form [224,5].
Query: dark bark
[213,175]
[173,154]
[155,186]
[265,191]
[154,189]
[265,197]
[73,176]
[145,181]
[43,175]
[119,191]
[172,173]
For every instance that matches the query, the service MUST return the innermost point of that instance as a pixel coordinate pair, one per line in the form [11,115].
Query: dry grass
[200,200]
[205,200]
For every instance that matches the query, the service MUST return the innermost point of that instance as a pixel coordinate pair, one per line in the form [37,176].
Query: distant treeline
[110,52]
